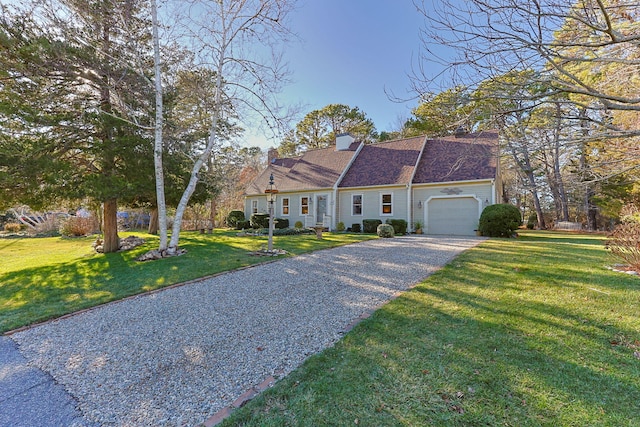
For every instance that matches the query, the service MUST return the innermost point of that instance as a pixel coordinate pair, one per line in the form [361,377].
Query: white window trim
[254,206]
[282,206]
[361,203]
[381,210]
[308,205]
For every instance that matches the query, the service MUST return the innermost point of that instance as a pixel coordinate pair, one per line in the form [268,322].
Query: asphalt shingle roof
[313,169]
[465,158]
[384,163]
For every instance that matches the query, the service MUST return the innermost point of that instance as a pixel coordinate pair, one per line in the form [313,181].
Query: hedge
[234,218]
[370,225]
[500,220]
[399,226]
[260,220]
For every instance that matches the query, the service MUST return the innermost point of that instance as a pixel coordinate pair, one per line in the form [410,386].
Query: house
[444,183]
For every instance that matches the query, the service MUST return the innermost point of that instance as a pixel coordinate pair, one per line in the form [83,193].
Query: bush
[500,220]
[370,225]
[243,225]
[234,218]
[260,220]
[399,226]
[532,221]
[356,228]
[340,226]
[385,230]
[12,227]
[624,244]
[76,226]
[281,223]
[298,224]
[292,231]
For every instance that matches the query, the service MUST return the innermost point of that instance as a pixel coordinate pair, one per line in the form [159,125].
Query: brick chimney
[272,154]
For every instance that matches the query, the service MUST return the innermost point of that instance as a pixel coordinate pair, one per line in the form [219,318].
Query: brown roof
[469,157]
[313,169]
[384,163]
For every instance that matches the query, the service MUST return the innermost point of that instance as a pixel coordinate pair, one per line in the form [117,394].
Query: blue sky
[350,52]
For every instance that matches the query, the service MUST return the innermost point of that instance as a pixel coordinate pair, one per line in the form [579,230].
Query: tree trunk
[212,216]
[161,210]
[110,226]
[153,222]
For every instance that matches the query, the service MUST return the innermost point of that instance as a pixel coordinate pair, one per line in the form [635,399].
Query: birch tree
[240,42]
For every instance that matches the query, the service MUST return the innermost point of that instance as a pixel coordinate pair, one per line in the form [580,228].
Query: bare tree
[239,41]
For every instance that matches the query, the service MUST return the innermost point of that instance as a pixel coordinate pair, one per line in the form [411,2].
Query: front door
[321,208]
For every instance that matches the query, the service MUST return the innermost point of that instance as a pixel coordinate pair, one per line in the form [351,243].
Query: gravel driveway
[178,356]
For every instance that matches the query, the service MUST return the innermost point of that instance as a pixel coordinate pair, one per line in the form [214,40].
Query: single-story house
[443,183]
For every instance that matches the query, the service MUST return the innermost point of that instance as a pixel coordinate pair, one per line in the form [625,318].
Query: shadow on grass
[525,332]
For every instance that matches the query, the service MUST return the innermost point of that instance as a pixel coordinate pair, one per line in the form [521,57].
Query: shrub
[624,243]
[500,220]
[12,227]
[340,226]
[298,224]
[281,223]
[234,218]
[356,228]
[385,230]
[260,220]
[78,226]
[292,231]
[243,225]
[370,225]
[399,226]
[532,221]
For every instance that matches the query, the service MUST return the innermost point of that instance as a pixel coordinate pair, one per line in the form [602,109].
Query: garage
[452,215]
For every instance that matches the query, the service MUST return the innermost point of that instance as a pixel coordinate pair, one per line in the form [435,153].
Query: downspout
[410,187]
[334,206]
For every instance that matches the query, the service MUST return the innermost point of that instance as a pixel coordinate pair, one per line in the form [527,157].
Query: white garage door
[455,216]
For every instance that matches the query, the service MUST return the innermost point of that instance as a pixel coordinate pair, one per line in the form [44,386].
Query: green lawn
[43,278]
[533,331]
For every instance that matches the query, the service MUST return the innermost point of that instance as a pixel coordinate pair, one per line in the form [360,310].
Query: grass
[44,278]
[533,331]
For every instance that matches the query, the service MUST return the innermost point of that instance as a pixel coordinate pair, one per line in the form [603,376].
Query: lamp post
[271,198]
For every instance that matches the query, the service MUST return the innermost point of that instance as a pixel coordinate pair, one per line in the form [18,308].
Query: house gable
[384,163]
[313,170]
[466,158]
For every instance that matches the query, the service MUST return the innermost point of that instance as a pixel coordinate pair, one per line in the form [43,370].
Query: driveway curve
[178,356]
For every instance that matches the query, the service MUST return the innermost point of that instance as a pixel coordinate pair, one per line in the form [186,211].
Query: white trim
[410,219]
[308,204]
[361,204]
[334,204]
[382,194]
[467,182]
[252,209]
[315,207]
[425,206]
[282,199]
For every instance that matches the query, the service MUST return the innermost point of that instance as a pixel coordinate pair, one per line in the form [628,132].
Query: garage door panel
[454,216]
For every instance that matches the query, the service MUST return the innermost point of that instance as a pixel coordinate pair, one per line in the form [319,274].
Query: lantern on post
[271,192]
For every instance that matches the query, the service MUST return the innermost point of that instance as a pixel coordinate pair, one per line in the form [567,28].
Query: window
[304,205]
[387,204]
[285,206]
[254,206]
[356,203]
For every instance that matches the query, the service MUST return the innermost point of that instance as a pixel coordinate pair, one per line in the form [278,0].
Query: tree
[585,56]
[83,56]
[319,128]
[227,34]
[559,42]
[441,114]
